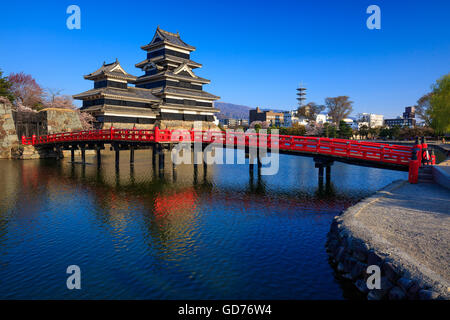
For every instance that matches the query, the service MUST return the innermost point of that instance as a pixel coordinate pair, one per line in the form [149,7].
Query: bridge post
[320,175]
[154,155]
[320,163]
[195,173]
[117,151]
[250,167]
[131,155]
[205,163]
[99,156]
[83,154]
[161,158]
[258,159]
[72,155]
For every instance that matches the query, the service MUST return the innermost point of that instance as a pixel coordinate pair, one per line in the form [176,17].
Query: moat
[138,234]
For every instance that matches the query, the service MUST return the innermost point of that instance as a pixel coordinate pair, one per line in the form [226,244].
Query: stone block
[378,294]
[374,259]
[405,283]
[390,271]
[340,254]
[428,295]
[397,294]
[358,270]
[348,264]
[361,285]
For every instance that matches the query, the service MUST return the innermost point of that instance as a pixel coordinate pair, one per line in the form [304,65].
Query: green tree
[329,131]
[395,132]
[385,133]
[363,131]
[339,108]
[440,105]
[345,131]
[374,132]
[5,87]
[423,108]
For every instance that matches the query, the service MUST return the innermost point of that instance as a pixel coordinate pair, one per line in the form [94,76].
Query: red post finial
[156,134]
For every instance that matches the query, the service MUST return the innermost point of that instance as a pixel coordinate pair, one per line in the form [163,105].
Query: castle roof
[168,37]
[111,70]
[131,93]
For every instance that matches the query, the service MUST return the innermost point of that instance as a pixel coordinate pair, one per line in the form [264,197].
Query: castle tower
[169,75]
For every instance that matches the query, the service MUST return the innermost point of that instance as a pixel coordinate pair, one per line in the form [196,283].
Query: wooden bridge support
[72,155]
[205,164]
[153,149]
[99,156]
[117,151]
[258,159]
[322,163]
[83,154]
[131,155]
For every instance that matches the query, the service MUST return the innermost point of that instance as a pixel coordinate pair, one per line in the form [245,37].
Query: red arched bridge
[324,150]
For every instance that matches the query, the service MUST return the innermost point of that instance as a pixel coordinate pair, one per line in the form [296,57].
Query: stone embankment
[405,230]
[9,143]
[56,120]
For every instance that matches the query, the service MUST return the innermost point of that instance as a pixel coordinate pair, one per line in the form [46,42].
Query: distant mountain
[235,111]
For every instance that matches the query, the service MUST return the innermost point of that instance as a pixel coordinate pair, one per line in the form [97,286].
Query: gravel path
[411,224]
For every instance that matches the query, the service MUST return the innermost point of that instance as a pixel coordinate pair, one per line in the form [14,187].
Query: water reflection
[183,232]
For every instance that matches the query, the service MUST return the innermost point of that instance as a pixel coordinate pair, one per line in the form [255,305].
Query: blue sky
[254,52]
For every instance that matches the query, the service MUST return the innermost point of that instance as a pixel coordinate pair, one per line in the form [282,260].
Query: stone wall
[9,143]
[177,124]
[350,256]
[61,120]
[107,125]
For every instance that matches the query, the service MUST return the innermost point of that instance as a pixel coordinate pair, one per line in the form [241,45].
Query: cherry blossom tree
[26,91]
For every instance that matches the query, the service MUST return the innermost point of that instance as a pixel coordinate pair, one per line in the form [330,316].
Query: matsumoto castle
[168,94]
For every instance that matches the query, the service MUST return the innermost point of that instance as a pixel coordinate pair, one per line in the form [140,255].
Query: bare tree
[339,108]
[310,110]
[422,107]
[52,93]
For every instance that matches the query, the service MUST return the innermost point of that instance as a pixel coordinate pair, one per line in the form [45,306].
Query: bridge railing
[372,151]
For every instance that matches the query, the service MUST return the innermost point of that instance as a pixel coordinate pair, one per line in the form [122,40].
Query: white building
[351,122]
[371,120]
[322,118]
[290,117]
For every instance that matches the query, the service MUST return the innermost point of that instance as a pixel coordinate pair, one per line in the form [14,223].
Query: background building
[233,123]
[370,120]
[408,119]
[290,117]
[322,118]
[273,118]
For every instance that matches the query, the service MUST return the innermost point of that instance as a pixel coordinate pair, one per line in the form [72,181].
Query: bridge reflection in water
[141,233]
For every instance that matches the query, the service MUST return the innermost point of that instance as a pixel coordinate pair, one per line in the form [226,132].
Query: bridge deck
[351,151]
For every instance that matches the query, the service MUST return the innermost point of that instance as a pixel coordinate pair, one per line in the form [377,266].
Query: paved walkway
[411,224]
